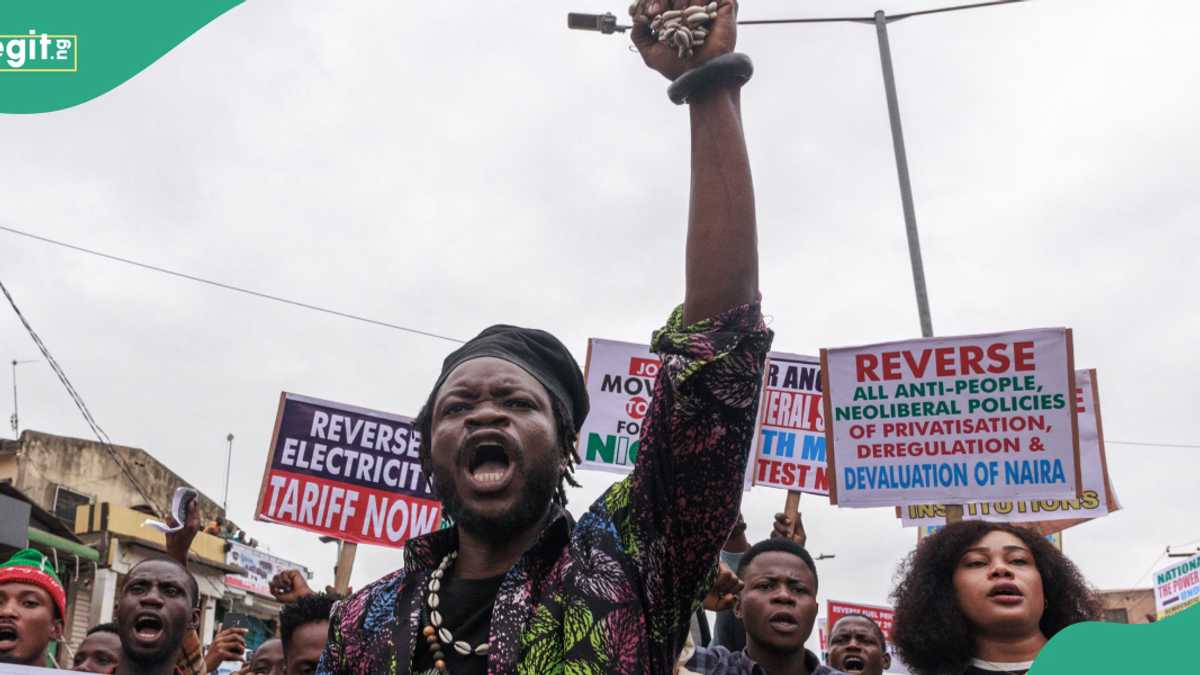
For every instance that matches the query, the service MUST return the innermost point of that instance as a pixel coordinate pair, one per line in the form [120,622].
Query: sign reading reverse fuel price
[952,420]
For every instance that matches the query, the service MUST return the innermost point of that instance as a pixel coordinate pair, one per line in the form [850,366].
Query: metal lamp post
[606,24]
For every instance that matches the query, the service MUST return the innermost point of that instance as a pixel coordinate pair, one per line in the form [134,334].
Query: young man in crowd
[100,651]
[513,586]
[778,606]
[267,659]
[857,645]
[304,628]
[156,607]
[32,607]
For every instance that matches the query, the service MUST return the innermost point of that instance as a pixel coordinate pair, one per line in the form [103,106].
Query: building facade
[100,496]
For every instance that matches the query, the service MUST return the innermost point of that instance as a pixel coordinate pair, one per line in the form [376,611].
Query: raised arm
[722,244]
[721,267]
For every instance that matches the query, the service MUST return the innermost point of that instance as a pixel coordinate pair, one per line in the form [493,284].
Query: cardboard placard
[1177,587]
[1047,516]
[790,427]
[346,472]
[952,420]
[620,384]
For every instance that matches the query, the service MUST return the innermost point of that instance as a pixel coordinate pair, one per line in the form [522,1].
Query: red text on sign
[998,357]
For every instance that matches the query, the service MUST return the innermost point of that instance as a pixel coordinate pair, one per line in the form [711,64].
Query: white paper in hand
[179,504]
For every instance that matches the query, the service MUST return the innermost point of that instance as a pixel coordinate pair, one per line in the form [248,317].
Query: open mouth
[489,463]
[8,637]
[147,627]
[783,622]
[1006,593]
[853,664]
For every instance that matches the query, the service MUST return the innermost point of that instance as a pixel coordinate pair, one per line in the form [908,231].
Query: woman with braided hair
[515,586]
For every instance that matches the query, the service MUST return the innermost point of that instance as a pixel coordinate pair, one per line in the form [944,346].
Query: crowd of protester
[515,584]
[975,598]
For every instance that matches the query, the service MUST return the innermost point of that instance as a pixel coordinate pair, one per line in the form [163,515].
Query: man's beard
[540,483]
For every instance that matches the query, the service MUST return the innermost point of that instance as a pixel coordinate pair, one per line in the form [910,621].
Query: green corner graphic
[55,54]
[1111,648]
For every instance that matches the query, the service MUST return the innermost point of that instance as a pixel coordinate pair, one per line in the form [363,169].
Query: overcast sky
[451,165]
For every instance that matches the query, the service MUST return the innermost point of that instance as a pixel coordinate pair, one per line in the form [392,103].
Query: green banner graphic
[55,54]
[1118,649]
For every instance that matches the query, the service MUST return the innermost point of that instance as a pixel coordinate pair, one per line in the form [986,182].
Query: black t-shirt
[466,607]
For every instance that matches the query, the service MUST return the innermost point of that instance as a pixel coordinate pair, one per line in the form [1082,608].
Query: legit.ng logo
[35,52]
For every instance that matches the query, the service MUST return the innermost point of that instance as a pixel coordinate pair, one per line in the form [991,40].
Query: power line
[231,287]
[871,19]
[1149,570]
[101,436]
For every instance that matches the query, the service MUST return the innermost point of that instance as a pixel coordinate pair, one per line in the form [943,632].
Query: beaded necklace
[436,634]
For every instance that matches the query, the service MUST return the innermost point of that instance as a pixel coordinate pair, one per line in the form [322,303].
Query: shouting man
[857,646]
[516,587]
[32,607]
[156,607]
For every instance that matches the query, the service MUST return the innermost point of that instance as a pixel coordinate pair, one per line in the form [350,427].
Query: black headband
[536,352]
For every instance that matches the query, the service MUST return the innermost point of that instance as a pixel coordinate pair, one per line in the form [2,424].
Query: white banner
[260,568]
[620,383]
[790,431]
[952,420]
[1177,587]
[1050,515]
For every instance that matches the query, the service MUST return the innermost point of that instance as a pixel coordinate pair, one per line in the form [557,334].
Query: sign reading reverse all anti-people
[952,420]
[346,472]
[1099,498]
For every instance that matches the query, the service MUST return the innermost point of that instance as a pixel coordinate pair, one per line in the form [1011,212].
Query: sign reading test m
[346,472]
[951,420]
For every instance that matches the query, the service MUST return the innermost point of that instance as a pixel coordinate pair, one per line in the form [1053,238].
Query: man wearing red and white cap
[32,606]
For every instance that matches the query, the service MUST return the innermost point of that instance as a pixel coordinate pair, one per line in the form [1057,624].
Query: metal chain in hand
[684,29]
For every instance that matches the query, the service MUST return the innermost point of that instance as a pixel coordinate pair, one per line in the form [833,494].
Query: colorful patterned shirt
[615,592]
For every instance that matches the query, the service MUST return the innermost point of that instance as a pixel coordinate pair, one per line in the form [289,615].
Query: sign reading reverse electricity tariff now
[790,432]
[1177,587]
[1048,515]
[346,472]
[882,616]
[620,383]
[952,420]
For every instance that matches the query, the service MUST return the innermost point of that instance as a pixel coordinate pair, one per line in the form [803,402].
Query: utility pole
[607,24]
[906,198]
[15,419]
[228,462]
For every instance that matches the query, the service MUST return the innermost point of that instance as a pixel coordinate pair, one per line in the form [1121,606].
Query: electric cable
[231,287]
[100,434]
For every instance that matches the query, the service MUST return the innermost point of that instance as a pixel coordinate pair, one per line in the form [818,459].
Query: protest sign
[1050,515]
[620,383]
[882,616]
[790,432]
[952,420]
[260,568]
[1177,587]
[346,472]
